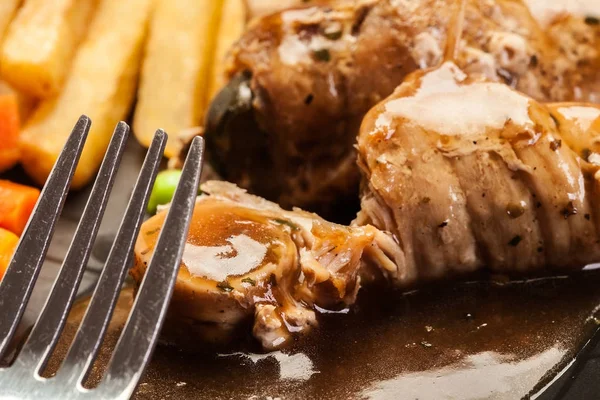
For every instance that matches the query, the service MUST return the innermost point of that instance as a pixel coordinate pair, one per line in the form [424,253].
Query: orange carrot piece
[16,203]
[9,131]
[8,243]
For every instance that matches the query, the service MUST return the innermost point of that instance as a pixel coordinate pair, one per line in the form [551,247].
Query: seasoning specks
[515,241]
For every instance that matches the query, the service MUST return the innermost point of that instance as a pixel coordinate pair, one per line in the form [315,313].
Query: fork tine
[47,329]
[87,342]
[20,277]
[137,342]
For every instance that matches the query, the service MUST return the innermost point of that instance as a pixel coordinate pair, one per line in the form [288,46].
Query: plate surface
[457,341]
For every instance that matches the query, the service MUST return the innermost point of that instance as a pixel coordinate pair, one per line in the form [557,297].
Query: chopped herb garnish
[250,281]
[225,286]
[335,35]
[515,210]
[515,241]
[287,223]
[333,31]
[588,216]
[555,144]
[592,20]
[443,224]
[322,55]
[569,210]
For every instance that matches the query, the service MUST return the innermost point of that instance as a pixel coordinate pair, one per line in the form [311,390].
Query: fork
[22,379]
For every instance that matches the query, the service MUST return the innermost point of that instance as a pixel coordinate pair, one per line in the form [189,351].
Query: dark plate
[459,341]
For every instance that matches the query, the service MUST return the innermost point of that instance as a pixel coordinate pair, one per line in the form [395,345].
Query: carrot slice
[9,131]
[16,203]
[8,243]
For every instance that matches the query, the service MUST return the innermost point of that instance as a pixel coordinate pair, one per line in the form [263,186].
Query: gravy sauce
[457,341]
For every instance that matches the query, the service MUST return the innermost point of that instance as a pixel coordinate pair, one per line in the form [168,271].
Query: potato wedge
[40,44]
[175,73]
[101,84]
[231,27]
[8,9]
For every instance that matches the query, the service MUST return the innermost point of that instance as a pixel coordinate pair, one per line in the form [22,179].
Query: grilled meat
[304,79]
[467,173]
[247,260]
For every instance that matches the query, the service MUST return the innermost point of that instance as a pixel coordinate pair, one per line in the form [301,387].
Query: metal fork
[22,380]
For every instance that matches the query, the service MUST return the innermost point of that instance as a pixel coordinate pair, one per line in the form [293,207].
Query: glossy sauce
[459,109]
[458,341]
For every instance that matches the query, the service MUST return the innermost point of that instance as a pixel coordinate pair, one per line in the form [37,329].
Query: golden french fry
[40,44]
[101,84]
[175,73]
[25,102]
[233,23]
[8,9]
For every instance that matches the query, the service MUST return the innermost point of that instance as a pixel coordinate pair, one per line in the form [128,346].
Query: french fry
[25,102]
[233,23]
[8,9]
[40,44]
[175,72]
[101,84]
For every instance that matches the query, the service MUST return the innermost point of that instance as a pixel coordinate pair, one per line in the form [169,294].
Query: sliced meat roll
[247,260]
[308,76]
[468,174]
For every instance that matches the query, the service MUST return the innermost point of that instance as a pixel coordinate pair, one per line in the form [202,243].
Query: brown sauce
[461,341]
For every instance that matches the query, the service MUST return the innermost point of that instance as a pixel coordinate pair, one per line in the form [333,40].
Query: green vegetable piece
[225,286]
[287,223]
[322,55]
[250,281]
[164,189]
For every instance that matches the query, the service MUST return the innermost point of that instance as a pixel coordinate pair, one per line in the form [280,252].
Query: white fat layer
[443,105]
[240,256]
[582,116]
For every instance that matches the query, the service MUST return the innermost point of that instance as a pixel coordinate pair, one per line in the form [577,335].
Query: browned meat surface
[248,261]
[466,173]
[315,72]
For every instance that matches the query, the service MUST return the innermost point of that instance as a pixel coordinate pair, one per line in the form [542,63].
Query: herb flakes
[515,241]
[333,31]
[286,223]
[322,55]
[225,286]
[250,281]
[592,20]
